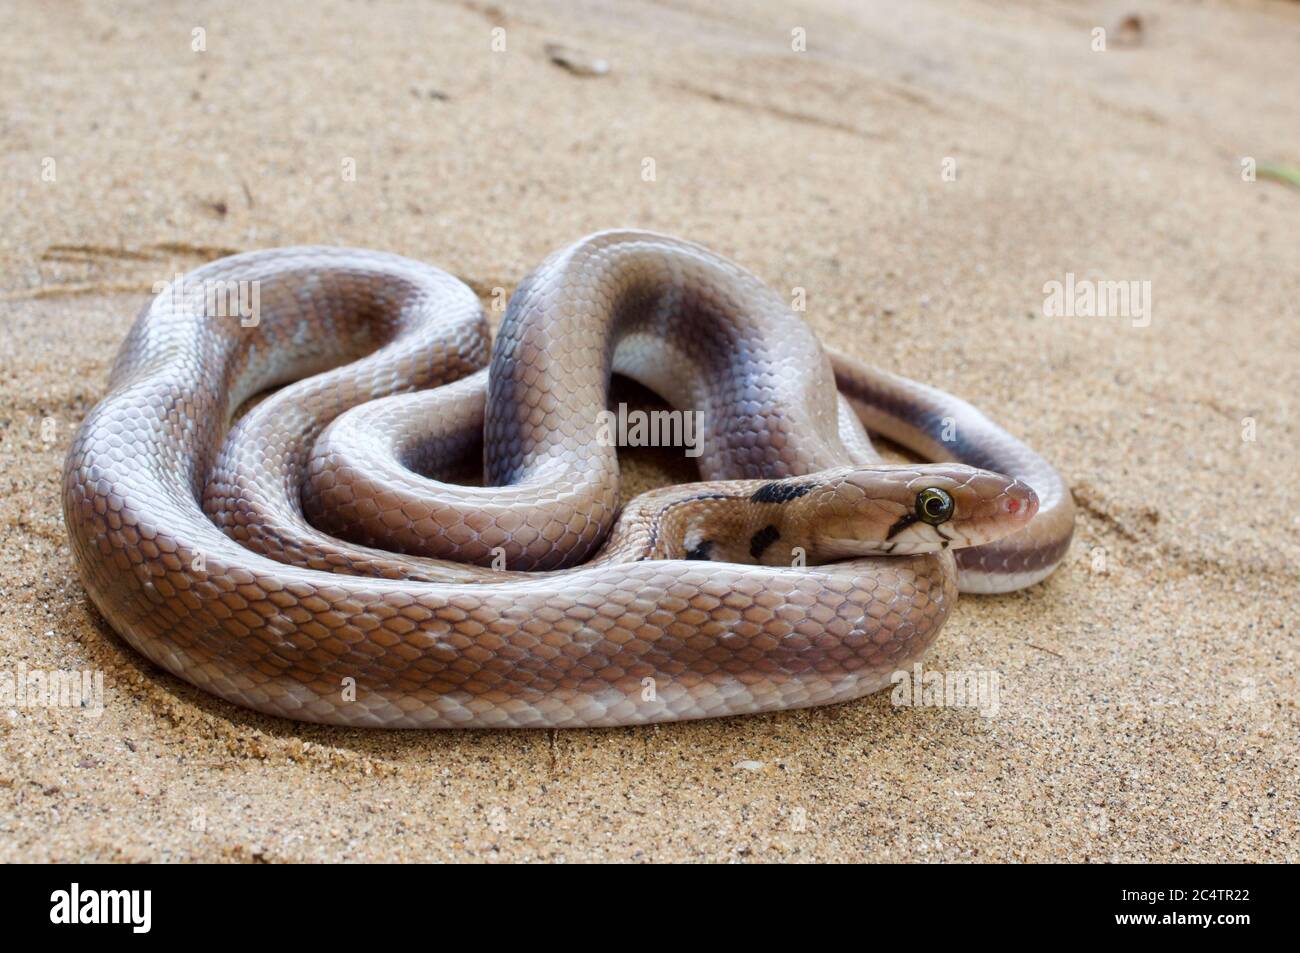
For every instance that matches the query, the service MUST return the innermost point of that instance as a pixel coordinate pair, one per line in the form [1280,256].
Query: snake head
[898,510]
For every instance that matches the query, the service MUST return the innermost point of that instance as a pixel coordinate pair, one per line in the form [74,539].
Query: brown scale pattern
[193,541]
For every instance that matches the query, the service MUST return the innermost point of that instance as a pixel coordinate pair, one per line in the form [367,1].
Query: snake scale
[315,557]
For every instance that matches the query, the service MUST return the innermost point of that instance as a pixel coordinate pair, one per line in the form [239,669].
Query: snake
[359,507]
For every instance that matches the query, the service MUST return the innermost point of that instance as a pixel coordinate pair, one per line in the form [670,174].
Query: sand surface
[1148,690]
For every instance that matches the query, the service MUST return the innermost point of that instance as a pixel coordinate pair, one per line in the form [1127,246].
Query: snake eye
[933,506]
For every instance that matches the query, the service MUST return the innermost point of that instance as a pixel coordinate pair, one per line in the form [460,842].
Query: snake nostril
[1018,506]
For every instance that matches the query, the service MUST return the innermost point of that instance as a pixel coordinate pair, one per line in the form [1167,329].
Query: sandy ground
[1148,690]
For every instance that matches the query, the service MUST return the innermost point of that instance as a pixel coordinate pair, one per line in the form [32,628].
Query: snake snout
[1019,502]
[998,506]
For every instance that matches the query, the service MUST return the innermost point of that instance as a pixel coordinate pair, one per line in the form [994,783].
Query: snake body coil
[248,560]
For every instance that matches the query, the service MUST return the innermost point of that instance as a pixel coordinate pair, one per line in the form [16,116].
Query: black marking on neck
[654,526]
[781,492]
[701,551]
[764,538]
[904,521]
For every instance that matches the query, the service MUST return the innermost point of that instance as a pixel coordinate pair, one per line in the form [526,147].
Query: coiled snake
[248,560]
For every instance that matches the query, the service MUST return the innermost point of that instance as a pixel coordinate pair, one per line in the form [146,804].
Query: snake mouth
[829,549]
